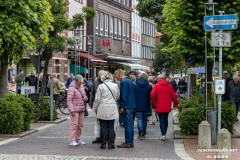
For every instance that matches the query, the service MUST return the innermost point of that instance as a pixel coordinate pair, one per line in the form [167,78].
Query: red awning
[92,58]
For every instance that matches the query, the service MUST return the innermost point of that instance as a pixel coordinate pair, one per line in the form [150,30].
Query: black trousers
[106,125]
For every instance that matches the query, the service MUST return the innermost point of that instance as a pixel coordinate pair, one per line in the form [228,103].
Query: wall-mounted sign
[106,43]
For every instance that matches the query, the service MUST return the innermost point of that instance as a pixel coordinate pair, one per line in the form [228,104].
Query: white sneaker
[73,143]
[81,142]
[163,138]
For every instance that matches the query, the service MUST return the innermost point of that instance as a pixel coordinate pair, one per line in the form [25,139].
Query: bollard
[204,135]
[224,145]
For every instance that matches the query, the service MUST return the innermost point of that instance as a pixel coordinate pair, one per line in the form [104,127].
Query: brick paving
[53,143]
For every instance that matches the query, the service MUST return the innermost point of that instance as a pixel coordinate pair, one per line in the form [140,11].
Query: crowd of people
[117,98]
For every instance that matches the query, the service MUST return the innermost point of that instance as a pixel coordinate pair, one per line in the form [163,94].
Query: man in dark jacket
[142,98]
[226,97]
[126,107]
[32,80]
[95,85]
[182,85]
[174,84]
[162,96]
[234,92]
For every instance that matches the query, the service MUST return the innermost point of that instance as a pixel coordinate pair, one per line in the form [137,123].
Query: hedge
[45,106]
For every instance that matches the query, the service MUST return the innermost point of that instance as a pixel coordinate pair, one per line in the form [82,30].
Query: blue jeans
[163,118]
[129,126]
[142,122]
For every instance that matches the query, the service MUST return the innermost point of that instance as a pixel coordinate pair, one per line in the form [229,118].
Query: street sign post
[221,39]
[220,86]
[221,22]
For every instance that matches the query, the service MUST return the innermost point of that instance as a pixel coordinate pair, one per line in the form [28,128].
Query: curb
[180,150]
[26,133]
[53,122]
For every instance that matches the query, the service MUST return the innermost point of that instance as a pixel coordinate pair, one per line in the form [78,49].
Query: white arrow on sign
[212,22]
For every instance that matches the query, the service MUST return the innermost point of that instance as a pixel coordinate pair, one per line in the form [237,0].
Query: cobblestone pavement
[53,144]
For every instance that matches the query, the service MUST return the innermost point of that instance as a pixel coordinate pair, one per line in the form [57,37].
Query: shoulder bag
[85,104]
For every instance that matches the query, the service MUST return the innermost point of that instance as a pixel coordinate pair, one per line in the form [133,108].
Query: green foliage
[26,104]
[193,111]
[151,8]
[12,117]
[45,106]
[189,119]
[88,13]
[21,23]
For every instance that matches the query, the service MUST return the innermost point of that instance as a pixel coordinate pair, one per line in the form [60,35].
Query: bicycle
[61,102]
[180,93]
[37,110]
[34,98]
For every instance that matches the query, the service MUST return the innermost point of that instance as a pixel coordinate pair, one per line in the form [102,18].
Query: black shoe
[132,145]
[111,147]
[103,147]
[97,140]
[124,145]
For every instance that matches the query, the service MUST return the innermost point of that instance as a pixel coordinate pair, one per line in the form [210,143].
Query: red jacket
[162,96]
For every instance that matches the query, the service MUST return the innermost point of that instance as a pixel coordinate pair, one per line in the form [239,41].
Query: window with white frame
[115,27]
[111,26]
[97,22]
[106,25]
[128,32]
[124,30]
[101,23]
[119,29]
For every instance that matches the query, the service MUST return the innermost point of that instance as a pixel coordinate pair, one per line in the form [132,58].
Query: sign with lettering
[106,43]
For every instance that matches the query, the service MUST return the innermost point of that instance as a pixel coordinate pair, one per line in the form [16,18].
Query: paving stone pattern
[53,143]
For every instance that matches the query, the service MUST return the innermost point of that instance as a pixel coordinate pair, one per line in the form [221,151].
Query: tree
[182,23]
[57,43]
[21,23]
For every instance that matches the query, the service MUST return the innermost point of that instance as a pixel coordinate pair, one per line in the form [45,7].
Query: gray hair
[119,72]
[150,79]
[235,76]
[106,75]
[79,78]
[143,75]
[54,75]
[160,76]
[101,72]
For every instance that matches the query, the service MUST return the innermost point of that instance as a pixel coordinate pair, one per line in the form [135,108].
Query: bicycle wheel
[62,106]
[37,112]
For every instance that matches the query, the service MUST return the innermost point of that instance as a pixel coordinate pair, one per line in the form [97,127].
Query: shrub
[193,112]
[26,104]
[190,118]
[45,106]
[12,115]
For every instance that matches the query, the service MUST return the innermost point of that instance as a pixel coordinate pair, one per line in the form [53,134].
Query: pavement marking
[45,126]
[180,150]
[8,141]
[59,157]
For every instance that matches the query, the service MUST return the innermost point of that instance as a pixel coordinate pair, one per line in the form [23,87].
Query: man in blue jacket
[142,93]
[126,107]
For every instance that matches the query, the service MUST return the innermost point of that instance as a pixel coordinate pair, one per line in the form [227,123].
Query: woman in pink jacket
[76,97]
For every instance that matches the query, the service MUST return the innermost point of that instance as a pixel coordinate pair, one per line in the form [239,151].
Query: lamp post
[211,113]
[90,64]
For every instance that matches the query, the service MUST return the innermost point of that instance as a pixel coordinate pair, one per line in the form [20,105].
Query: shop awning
[119,58]
[136,66]
[92,58]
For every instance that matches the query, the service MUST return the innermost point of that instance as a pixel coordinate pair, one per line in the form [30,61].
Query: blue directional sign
[221,22]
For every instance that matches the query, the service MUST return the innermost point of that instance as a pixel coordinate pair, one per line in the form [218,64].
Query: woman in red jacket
[161,97]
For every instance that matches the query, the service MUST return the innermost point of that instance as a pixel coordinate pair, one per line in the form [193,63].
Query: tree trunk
[209,79]
[45,72]
[3,79]
[193,84]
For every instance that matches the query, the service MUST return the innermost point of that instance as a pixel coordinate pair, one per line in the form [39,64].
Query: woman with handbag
[76,97]
[106,108]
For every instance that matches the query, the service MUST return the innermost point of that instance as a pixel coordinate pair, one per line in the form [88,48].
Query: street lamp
[210,113]
[90,64]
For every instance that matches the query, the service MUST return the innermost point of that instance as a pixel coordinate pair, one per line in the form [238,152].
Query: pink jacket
[75,101]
